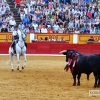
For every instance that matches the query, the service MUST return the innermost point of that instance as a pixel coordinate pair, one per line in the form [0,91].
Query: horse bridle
[21,47]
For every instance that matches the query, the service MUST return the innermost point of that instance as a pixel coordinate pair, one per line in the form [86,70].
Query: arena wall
[53,47]
[70,38]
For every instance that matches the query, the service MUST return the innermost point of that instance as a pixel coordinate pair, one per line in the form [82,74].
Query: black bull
[84,64]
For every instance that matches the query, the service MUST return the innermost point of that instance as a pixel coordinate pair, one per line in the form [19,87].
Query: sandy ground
[42,79]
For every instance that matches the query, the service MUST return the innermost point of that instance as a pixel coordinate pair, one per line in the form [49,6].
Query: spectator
[92,31]
[34,17]
[99,39]
[1,21]
[87,30]
[62,39]
[53,19]
[56,27]
[71,30]
[22,15]
[12,22]
[50,5]
[3,11]
[77,25]
[66,30]
[21,26]
[37,30]
[31,30]
[77,31]
[82,20]
[75,1]
[35,39]
[26,29]
[49,30]
[46,39]
[56,38]
[33,2]
[71,24]
[34,24]
[31,11]
[43,30]
[51,38]
[17,2]
[4,28]
[25,20]
[26,10]
[97,20]
[97,30]
[49,15]
[89,14]
[61,29]
[90,40]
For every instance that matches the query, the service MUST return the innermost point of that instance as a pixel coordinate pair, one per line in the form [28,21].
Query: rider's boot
[26,44]
[13,46]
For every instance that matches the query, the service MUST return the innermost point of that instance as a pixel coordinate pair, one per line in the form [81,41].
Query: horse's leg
[11,61]
[24,61]
[78,77]
[18,62]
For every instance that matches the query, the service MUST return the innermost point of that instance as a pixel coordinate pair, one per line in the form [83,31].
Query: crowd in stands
[53,16]
[6,17]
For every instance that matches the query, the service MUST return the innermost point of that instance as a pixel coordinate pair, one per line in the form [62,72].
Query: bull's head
[68,53]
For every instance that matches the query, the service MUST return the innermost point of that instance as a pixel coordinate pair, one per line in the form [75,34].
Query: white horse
[20,50]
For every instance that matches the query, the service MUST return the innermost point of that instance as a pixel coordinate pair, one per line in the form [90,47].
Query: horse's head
[23,35]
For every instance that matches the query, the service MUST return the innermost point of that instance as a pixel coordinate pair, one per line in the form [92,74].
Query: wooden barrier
[81,38]
[67,37]
[54,48]
[7,37]
[4,48]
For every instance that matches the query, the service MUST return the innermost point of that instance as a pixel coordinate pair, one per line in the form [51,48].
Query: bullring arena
[43,78]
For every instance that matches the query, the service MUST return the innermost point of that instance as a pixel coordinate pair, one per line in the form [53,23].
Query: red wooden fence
[54,48]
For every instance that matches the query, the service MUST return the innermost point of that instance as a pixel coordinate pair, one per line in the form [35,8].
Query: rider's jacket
[15,34]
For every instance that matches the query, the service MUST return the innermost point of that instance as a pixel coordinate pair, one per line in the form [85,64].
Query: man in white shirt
[33,2]
[12,22]
[61,29]
[43,30]
[56,27]
[34,24]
